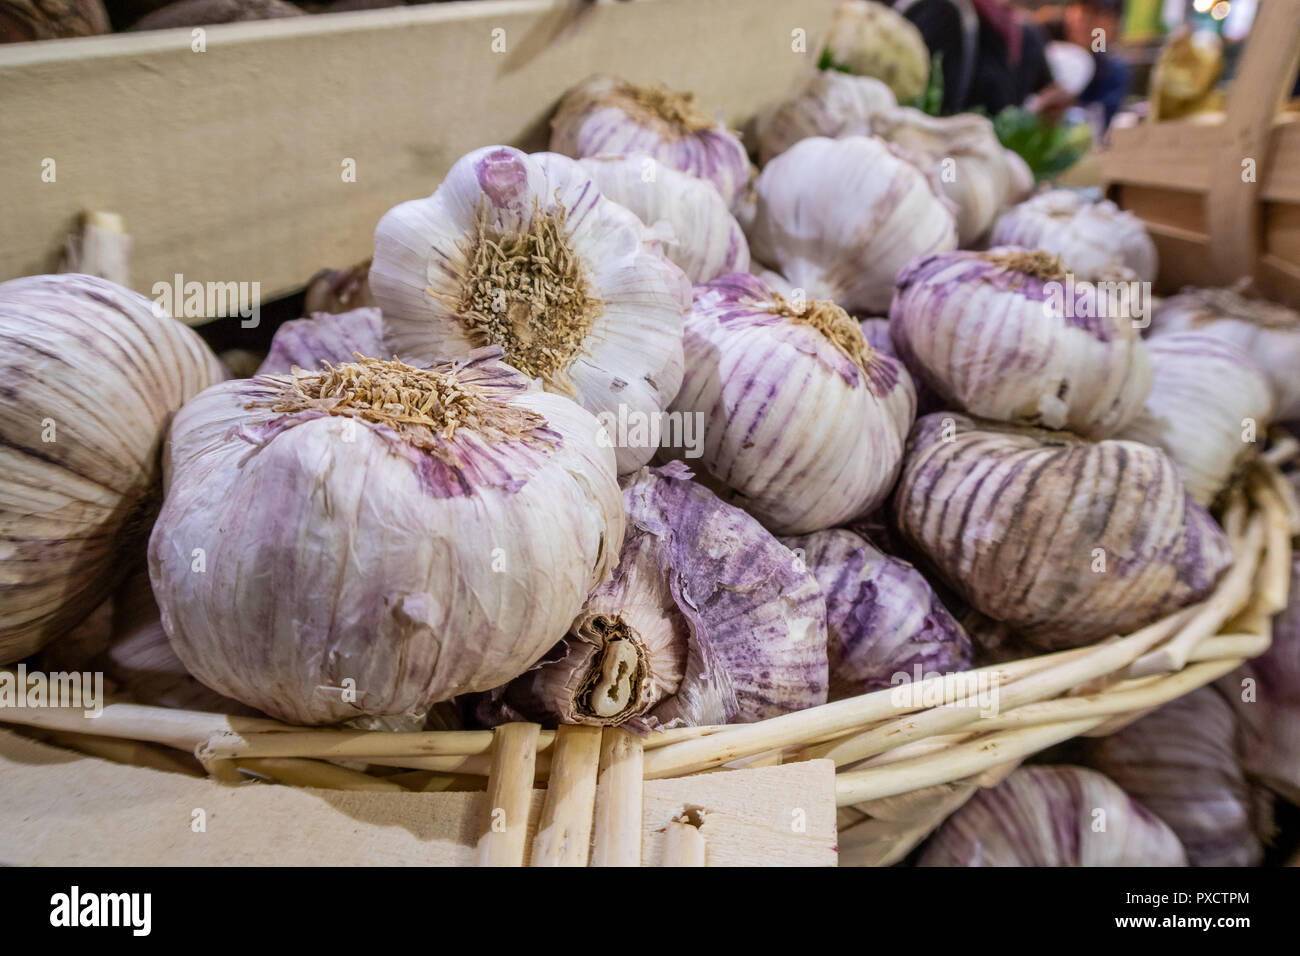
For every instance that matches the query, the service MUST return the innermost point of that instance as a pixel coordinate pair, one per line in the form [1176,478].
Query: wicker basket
[900,767]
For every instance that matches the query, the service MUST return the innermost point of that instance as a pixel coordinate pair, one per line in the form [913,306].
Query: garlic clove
[801,419]
[364,556]
[1008,334]
[1093,238]
[707,240]
[1208,406]
[839,218]
[1067,541]
[524,252]
[707,620]
[606,115]
[882,618]
[1045,816]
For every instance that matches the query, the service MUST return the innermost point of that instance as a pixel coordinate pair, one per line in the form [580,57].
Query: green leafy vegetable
[1048,149]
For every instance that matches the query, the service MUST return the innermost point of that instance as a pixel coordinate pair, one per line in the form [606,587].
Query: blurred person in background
[992,55]
[1094,25]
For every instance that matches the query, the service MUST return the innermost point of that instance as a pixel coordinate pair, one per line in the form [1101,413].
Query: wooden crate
[1220,193]
[227,165]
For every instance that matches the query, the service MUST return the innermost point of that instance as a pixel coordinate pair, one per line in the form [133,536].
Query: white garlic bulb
[1209,405]
[524,252]
[801,419]
[1094,238]
[1269,332]
[963,152]
[1068,541]
[999,334]
[871,39]
[705,241]
[91,373]
[707,620]
[373,538]
[829,103]
[840,217]
[604,114]
[1046,816]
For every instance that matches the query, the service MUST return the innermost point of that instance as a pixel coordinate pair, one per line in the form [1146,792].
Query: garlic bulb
[1066,540]
[1269,332]
[1019,177]
[1209,404]
[1180,762]
[1265,693]
[964,154]
[92,374]
[871,39]
[375,537]
[801,419]
[705,241]
[1094,239]
[325,337]
[708,620]
[998,334]
[839,218]
[339,290]
[1053,816]
[604,114]
[830,103]
[141,660]
[882,618]
[523,252]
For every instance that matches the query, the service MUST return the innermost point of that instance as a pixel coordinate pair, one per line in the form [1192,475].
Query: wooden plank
[61,809]
[564,833]
[1282,178]
[508,809]
[1176,154]
[1177,208]
[227,165]
[620,808]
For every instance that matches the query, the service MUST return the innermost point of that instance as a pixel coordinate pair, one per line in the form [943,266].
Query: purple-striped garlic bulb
[1066,540]
[324,337]
[1008,335]
[801,419]
[1053,816]
[1269,332]
[700,234]
[91,375]
[1094,238]
[1209,405]
[707,620]
[373,538]
[524,252]
[882,617]
[1265,692]
[1180,762]
[604,114]
[840,217]
[829,103]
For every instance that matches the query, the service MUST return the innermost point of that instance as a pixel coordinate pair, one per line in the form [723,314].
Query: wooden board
[227,165]
[59,808]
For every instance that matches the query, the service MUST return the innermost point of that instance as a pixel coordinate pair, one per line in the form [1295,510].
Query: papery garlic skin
[324,337]
[995,334]
[1044,816]
[872,39]
[718,623]
[1267,331]
[801,419]
[1265,694]
[1180,762]
[610,333]
[829,103]
[1209,406]
[882,617]
[1067,541]
[705,241]
[1094,239]
[840,217]
[92,374]
[321,566]
[603,115]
